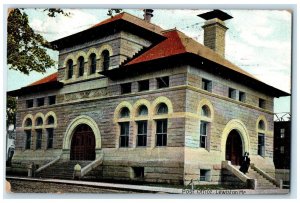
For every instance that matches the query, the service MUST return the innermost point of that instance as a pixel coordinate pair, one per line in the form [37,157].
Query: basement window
[206,85]
[29,103]
[162,82]
[232,93]
[204,175]
[143,85]
[138,172]
[262,103]
[126,88]
[40,101]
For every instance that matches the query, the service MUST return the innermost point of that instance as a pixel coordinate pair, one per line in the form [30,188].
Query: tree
[11,110]
[27,50]
[113,10]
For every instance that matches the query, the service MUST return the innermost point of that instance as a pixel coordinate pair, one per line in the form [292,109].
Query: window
[203,134]
[38,139]
[28,122]
[206,85]
[39,121]
[205,111]
[282,133]
[161,132]
[49,138]
[143,85]
[261,125]
[261,144]
[70,68]
[51,100]
[281,149]
[125,113]
[232,93]
[80,66]
[28,139]
[124,134]
[205,175]
[50,120]
[93,63]
[142,133]
[138,172]
[143,111]
[29,103]
[262,103]
[162,82]
[126,88]
[106,59]
[40,101]
[242,96]
[162,109]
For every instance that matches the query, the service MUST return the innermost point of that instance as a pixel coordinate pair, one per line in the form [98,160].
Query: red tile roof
[47,79]
[178,43]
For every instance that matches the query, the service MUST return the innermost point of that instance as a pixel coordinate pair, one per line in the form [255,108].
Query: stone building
[137,102]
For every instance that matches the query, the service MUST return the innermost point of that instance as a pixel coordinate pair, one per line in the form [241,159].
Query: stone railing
[47,165]
[91,166]
[267,176]
[251,183]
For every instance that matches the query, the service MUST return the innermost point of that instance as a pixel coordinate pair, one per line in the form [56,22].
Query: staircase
[262,183]
[62,169]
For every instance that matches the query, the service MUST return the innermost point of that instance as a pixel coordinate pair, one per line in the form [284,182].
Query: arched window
[70,68]
[205,111]
[143,111]
[205,119]
[162,108]
[50,120]
[261,138]
[124,113]
[28,122]
[142,127]
[80,66]
[93,63]
[105,59]
[261,125]
[39,121]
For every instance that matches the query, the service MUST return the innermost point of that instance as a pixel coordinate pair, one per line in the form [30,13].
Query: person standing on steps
[245,163]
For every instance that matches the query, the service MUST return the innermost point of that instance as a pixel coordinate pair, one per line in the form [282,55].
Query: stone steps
[262,183]
[61,169]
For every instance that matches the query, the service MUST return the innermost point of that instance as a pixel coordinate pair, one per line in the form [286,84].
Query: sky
[258,41]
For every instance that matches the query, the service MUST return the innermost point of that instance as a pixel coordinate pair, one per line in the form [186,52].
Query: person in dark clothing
[245,163]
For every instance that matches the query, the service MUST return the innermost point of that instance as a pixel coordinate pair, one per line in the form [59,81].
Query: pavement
[153,189]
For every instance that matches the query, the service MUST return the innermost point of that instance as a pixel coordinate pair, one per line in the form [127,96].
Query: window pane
[50,138]
[143,85]
[203,128]
[93,63]
[162,82]
[28,139]
[124,113]
[70,69]
[162,109]
[39,139]
[143,110]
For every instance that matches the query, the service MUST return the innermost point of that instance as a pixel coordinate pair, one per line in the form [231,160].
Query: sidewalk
[153,189]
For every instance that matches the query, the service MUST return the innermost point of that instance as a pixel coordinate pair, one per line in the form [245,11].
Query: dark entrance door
[83,143]
[234,148]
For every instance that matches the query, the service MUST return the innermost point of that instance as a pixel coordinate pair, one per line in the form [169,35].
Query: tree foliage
[26,50]
[113,10]
[11,110]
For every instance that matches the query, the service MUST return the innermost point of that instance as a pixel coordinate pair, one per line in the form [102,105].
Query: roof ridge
[46,78]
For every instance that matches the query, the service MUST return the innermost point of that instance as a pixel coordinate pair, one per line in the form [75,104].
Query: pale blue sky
[259,41]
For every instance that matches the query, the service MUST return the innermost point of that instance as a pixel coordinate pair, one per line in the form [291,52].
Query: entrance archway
[83,143]
[234,148]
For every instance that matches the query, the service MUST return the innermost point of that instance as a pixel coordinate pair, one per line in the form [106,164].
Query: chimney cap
[215,14]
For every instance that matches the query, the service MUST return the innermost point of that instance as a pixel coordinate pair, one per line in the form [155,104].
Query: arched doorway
[234,148]
[83,143]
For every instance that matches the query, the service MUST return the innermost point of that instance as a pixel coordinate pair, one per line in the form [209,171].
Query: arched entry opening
[83,143]
[234,148]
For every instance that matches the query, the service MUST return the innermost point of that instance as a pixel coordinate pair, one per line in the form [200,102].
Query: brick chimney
[148,15]
[215,29]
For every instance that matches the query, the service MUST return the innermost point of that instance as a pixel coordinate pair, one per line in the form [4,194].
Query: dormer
[104,46]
